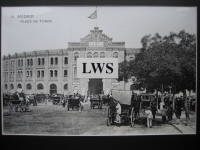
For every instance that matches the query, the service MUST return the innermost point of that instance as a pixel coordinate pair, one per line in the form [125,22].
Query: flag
[93,15]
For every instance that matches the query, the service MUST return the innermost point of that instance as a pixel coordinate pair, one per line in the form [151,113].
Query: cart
[73,102]
[105,100]
[127,109]
[18,103]
[94,101]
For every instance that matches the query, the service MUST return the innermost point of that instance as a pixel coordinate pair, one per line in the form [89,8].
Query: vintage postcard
[98,71]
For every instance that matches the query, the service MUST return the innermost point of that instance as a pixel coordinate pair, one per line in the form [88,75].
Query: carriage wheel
[109,117]
[132,117]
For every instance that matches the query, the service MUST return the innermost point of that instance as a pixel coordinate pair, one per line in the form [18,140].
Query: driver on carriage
[118,112]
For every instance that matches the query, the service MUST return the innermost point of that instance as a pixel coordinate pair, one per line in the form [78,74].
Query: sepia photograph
[98,70]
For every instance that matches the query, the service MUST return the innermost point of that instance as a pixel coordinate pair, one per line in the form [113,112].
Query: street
[57,120]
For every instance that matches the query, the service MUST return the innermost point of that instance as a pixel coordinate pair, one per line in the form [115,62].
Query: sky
[69,24]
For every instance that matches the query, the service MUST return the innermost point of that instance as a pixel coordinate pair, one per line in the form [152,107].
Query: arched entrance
[95,86]
[53,89]
[75,90]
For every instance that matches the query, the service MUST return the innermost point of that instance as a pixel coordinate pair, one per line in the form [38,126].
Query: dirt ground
[57,120]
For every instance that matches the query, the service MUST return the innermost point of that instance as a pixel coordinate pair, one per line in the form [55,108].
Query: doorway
[95,86]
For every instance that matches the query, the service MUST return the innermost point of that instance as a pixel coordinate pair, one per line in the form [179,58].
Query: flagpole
[96,18]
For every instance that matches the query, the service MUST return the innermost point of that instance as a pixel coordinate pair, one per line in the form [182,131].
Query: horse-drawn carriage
[127,110]
[105,100]
[95,101]
[18,102]
[73,102]
[57,99]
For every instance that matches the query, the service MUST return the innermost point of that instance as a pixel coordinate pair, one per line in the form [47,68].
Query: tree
[167,61]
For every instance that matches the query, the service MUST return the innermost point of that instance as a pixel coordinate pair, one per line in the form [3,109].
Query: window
[75,72]
[28,86]
[66,60]
[6,86]
[51,73]
[31,62]
[40,86]
[65,86]
[102,55]
[51,61]
[38,73]
[89,55]
[19,86]
[27,62]
[21,62]
[95,55]
[18,63]
[55,73]
[38,61]
[42,73]
[115,55]
[56,60]
[21,75]
[27,73]
[31,73]
[65,73]
[42,61]
[76,55]
[11,86]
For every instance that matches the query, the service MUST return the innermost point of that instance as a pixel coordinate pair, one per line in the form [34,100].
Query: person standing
[178,110]
[154,110]
[163,114]
[170,112]
[149,117]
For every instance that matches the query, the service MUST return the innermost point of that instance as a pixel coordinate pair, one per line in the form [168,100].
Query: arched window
[38,61]
[51,61]
[65,73]
[18,63]
[27,73]
[51,73]
[55,73]
[56,60]
[95,55]
[115,55]
[21,63]
[38,73]
[89,55]
[28,62]
[102,55]
[6,86]
[66,60]
[42,73]
[31,73]
[75,72]
[42,61]
[31,62]
[28,86]
[11,86]
[40,86]
[20,75]
[76,55]
[19,86]
[65,86]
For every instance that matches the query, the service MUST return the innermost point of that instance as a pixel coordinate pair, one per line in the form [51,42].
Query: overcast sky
[69,24]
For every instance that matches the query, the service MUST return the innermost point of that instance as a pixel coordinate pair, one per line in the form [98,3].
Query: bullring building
[55,71]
